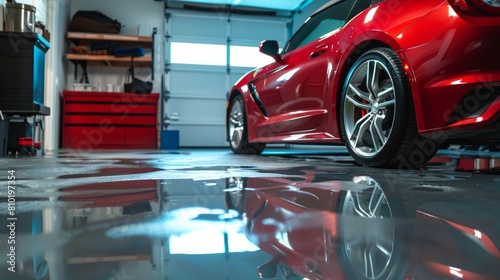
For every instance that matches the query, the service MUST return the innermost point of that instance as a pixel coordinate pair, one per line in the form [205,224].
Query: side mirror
[271,48]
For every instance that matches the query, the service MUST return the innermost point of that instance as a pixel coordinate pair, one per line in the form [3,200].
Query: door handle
[321,49]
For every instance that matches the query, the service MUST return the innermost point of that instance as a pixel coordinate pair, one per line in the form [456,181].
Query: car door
[294,92]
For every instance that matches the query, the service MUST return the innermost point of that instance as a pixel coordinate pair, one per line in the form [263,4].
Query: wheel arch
[353,55]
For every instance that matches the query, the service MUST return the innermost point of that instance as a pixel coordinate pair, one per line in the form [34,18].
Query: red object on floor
[25,141]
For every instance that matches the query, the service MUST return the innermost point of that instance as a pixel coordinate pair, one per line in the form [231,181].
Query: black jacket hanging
[135,85]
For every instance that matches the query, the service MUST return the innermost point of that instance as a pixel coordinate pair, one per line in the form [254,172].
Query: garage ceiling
[276,5]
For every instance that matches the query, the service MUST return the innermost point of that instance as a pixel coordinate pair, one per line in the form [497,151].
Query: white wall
[55,68]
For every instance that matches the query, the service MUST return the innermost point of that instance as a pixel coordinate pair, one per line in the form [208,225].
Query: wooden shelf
[110,59]
[82,38]
[73,56]
[125,40]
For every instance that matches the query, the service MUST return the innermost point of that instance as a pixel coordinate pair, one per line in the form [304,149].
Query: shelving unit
[110,120]
[82,38]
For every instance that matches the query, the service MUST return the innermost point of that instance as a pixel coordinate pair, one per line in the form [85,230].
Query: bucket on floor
[170,139]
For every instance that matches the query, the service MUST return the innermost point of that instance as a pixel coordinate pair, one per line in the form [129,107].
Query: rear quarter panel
[386,24]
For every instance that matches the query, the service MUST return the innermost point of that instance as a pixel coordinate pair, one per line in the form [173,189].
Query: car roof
[332,2]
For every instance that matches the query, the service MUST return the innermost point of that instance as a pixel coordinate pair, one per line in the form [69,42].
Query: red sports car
[391,79]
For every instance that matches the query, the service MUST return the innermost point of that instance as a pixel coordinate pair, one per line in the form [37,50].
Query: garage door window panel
[188,26]
[196,54]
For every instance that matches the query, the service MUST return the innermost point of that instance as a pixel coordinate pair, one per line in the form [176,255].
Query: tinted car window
[360,6]
[326,21]
[323,28]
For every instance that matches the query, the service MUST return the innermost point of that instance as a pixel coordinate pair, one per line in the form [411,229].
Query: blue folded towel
[129,51]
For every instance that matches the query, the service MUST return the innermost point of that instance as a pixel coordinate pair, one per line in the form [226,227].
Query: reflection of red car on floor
[457,241]
[387,78]
[112,194]
[361,229]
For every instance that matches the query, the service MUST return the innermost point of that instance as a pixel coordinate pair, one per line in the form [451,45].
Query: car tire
[237,129]
[377,117]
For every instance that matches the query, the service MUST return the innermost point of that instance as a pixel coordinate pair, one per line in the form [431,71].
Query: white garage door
[206,54]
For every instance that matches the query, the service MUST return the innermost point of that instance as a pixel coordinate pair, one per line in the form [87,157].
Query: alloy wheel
[369,253]
[236,124]
[235,193]
[369,106]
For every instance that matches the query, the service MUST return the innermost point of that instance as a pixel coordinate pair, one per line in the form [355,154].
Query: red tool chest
[109,120]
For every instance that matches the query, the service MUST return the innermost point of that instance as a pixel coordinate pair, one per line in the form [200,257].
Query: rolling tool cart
[22,83]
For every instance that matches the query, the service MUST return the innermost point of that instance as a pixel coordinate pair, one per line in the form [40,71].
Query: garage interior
[163,197]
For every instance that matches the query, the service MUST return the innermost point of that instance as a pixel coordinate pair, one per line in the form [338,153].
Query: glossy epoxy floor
[209,214]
